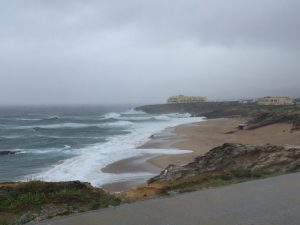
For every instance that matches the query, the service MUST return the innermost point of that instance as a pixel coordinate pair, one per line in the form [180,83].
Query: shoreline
[199,137]
[143,163]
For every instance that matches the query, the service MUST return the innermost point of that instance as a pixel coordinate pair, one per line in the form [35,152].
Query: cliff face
[207,109]
[258,115]
[223,165]
[225,159]
[267,118]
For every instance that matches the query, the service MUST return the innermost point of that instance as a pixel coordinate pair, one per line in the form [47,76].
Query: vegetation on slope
[226,164]
[194,183]
[22,202]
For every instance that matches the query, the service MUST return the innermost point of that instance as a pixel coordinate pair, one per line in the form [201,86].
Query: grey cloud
[143,51]
[209,22]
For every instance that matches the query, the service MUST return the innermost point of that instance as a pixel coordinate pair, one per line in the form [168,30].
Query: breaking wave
[87,165]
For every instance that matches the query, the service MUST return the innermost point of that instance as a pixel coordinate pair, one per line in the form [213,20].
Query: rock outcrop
[268,118]
[268,159]
[258,115]
[206,109]
[8,152]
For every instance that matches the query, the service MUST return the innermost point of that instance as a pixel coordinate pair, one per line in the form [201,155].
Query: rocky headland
[226,164]
[6,152]
[260,159]
[258,115]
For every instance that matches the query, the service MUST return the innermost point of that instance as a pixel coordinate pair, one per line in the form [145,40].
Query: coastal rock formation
[258,115]
[268,118]
[206,109]
[268,159]
[8,152]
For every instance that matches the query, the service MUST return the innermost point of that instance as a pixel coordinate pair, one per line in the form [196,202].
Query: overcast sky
[142,51]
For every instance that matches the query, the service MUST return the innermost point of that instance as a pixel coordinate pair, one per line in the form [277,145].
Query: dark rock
[260,115]
[203,109]
[8,152]
[269,118]
[229,157]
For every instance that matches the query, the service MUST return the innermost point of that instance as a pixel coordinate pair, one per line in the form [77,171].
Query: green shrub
[245,173]
[26,201]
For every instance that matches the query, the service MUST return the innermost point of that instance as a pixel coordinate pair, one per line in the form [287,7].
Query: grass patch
[210,180]
[29,200]
[194,183]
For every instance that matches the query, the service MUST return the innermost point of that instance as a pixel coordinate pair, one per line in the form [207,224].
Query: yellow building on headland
[186,99]
[275,101]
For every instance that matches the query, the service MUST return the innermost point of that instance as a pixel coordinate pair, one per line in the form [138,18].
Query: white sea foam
[65,137]
[26,119]
[22,119]
[87,165]
[65,149]
[116,124]
[111,115]
[60,125]
[52,126]
[133,112]
[76,125]
[128,118]
[11,136]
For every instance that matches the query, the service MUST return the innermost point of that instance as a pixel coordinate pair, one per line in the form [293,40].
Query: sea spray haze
[75,142]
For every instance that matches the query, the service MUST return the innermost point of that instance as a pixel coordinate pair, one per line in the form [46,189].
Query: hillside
[258,115]
[226,164]
[21,202]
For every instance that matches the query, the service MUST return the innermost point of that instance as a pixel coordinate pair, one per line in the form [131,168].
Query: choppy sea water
[76,142]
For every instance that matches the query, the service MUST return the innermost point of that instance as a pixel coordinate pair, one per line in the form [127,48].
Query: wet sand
[200,138]
[137,164]
[204,136]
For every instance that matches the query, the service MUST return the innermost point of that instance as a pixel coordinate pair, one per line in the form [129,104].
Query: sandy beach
[200,138]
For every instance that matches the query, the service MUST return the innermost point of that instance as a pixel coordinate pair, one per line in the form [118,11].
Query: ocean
[61,143]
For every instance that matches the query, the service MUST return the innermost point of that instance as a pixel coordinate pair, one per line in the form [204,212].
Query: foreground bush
[37,200]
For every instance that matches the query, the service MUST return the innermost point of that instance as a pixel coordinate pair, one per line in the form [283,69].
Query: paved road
[272,201]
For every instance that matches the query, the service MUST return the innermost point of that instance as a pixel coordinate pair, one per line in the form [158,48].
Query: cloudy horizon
[73,51]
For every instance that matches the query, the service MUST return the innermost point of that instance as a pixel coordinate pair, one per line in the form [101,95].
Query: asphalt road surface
[272,201]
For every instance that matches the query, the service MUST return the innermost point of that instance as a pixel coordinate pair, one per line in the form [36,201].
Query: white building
[275,101]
